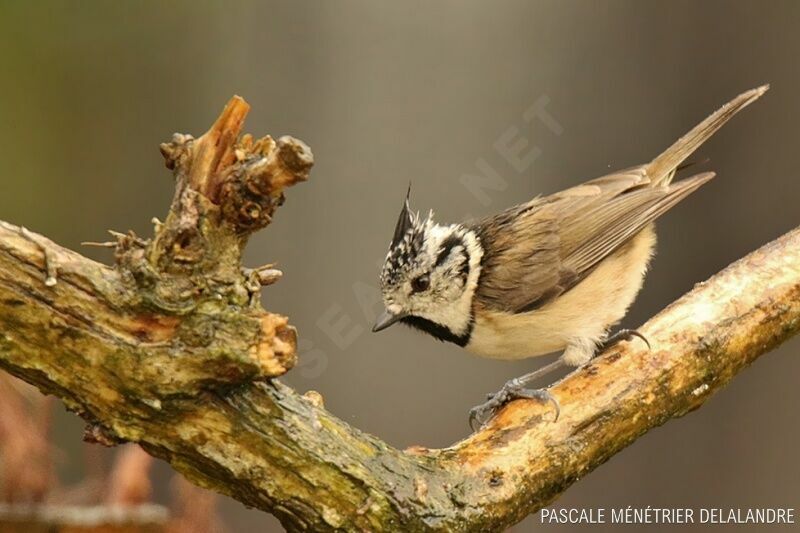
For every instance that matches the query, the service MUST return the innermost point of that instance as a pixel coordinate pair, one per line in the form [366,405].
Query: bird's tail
[662,168]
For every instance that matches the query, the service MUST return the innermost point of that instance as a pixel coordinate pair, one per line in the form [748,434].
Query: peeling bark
[170,348]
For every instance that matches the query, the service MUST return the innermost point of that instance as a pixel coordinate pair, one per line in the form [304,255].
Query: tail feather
[662,168]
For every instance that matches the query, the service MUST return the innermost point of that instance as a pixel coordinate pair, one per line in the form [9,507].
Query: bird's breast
[501,335]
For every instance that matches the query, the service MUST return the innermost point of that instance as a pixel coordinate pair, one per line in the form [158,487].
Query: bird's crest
[407,242]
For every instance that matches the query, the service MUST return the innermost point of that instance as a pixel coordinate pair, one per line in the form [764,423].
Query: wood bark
[170,348]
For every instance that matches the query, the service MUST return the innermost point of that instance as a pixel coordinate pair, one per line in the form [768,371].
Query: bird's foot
[512,390]
[619,336]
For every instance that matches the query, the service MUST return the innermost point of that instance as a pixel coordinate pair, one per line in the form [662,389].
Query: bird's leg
[578,352]
[621,335]
[514,390]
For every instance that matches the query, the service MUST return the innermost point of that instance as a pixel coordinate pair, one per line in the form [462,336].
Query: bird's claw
[480,414]
[623,335]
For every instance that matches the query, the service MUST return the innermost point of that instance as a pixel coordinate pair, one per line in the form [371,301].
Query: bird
[552,274]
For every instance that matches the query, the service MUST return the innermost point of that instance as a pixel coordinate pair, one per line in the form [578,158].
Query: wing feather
[539,250]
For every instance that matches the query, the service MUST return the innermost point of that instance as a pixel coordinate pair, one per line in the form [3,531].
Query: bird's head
[429,275]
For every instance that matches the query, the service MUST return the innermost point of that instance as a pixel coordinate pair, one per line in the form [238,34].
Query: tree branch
[170,348]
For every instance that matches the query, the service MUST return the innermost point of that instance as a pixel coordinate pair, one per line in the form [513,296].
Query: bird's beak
[388,317]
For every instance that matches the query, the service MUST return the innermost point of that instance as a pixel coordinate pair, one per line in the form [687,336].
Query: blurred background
[432,93]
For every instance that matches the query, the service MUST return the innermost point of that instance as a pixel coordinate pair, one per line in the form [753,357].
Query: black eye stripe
[464,271]
[446,247]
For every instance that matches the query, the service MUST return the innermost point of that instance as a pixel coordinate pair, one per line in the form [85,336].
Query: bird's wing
[521,262]
[536,251]
[593,232]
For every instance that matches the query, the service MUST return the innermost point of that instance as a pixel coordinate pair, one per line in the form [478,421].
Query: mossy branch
[170,348]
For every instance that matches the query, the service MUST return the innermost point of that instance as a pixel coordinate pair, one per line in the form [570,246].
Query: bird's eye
[421,283]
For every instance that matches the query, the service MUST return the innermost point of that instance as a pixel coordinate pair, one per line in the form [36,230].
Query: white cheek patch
[453,306]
